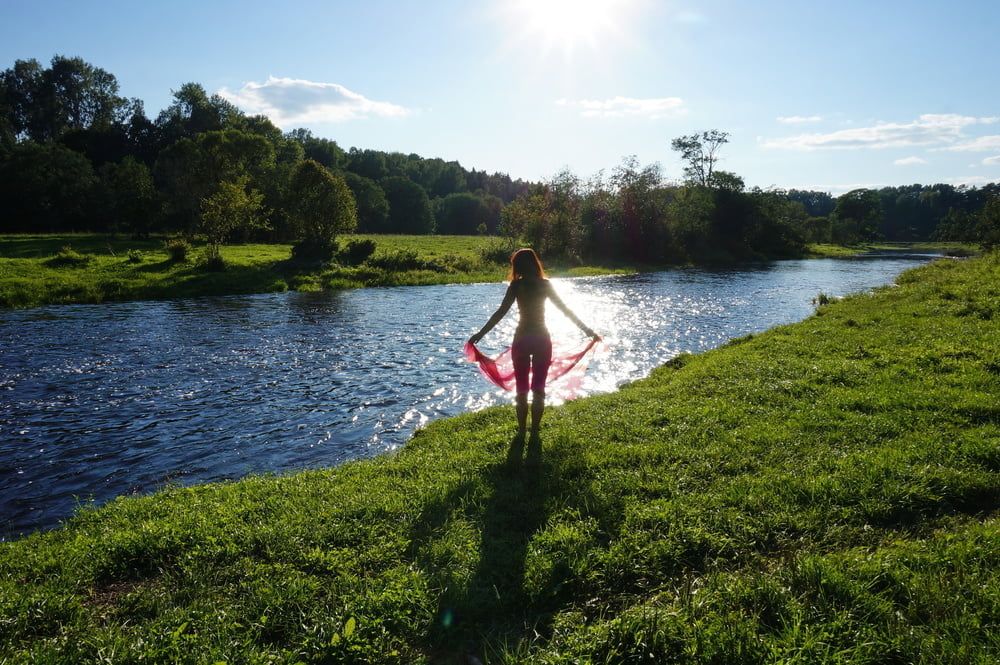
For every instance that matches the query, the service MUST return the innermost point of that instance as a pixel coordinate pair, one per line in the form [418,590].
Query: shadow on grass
[508,502]
[26,246]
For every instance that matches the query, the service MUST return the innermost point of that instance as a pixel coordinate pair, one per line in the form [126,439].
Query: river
[97,401]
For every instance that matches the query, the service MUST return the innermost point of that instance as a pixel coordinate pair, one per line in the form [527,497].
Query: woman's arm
[508,300]
[569,313]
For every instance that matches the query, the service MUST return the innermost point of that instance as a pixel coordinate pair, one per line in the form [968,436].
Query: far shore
[44,269]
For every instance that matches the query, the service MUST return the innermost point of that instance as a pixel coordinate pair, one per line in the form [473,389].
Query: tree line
[76,155]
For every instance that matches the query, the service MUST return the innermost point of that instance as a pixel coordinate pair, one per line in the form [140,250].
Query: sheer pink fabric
[500,370]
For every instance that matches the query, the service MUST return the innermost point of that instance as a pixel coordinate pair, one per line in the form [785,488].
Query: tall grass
[824,492]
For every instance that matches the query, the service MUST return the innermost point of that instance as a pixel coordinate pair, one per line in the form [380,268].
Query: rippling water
[102,400]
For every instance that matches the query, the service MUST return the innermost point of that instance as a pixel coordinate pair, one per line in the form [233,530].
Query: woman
[532,347]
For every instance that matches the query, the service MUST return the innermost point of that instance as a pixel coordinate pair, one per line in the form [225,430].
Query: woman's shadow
[508,503]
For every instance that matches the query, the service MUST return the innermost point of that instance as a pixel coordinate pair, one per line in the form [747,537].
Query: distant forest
[75,155]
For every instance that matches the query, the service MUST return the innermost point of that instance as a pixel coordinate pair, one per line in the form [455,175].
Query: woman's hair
[525,263]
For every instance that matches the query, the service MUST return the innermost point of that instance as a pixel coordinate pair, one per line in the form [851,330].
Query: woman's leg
[540,361]
[521,357]
[537,408]
[521,408]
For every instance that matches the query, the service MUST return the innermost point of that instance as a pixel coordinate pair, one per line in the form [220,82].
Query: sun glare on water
[569,25]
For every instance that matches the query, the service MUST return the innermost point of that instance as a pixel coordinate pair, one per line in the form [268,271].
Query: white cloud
[978,144]
[927,130]
[288,101]
[798,119]
[620,107]
[992,161]
[910,161]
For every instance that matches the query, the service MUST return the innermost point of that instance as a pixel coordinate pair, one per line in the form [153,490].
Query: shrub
[212,261]
[134,256]
[178,249]
[69,257]
[400,259]
[314,250]
[357,252]
[496,251]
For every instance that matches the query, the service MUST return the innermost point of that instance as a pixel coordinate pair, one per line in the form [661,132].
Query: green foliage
[465,214]
[856,217]
[988,224]
[44,187]
[135,256]
[497,250]
[357,251]
[178,249]
[129,198]
[699,151]
[229,208]
[409,208]
[821,492]
[322,206]
[192,169]
[373,207]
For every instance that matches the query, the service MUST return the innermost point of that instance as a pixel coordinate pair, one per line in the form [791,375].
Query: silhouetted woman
[532,347]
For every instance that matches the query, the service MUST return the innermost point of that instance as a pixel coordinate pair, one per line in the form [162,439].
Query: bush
[178,249]
[398,260]
[314,250]
[212,261]
[134,256]
[496,251]
[69,257]
[357,252]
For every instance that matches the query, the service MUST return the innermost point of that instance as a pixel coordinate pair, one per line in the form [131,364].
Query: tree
[638,209]
[373,207]
[229,208]
[464,214]
[324,151]
[368,164]
[700,153]
[20,87]
[190,169]
[988,226]
[193,112]
[128,197]
[856,217]
[409,207]
[70,95]
[321,206]
[45,187]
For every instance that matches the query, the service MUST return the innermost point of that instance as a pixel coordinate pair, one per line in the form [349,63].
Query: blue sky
[821,95]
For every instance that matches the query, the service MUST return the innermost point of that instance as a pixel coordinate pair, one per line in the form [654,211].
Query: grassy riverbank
[821,250]
[35,271]
[823,492]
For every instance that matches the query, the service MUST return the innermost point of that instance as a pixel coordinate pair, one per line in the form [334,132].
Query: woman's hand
[475,338]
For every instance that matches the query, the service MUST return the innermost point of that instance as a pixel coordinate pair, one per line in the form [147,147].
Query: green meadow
[824,492]
[92,268]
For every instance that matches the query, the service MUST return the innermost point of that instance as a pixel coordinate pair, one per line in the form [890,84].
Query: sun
[569,25]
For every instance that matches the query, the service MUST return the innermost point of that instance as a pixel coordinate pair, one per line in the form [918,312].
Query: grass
[825,492]
[37,270]
[825,250]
